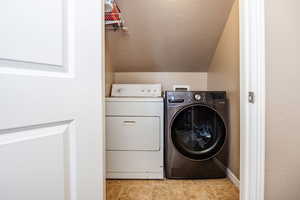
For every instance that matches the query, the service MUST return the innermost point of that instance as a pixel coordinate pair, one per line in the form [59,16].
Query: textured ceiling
[167,35]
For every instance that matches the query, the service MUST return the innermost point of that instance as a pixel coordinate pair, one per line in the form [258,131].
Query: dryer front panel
[132,133]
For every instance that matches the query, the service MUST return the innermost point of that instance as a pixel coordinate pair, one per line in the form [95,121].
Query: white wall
[196,80]
[109,71]
[168,35]
[223,74]
[283,100]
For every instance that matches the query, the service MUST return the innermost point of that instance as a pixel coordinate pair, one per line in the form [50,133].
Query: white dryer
[134,132]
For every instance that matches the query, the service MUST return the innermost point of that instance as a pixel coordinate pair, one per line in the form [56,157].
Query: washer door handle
[176,100]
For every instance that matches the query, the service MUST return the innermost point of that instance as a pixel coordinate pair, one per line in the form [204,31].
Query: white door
[50,100]
[252,79]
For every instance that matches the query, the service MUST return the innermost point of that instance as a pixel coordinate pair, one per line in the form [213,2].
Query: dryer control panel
[136,90]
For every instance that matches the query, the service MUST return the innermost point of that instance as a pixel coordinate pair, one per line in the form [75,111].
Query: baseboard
[233,178]
[229,174]
[135,175]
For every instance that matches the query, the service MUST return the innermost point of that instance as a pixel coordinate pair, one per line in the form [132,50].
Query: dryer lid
[134,99]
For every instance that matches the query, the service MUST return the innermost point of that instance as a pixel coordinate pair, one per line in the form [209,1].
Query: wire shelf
[113,17]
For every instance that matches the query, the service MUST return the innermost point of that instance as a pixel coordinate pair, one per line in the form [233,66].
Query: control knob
[198,97]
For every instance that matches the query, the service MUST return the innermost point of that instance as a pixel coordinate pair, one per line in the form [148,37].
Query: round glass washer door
[198,132]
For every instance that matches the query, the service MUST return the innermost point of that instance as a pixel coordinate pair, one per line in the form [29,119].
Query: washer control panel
[203,97]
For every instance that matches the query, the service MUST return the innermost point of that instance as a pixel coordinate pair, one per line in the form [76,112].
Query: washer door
[198,132]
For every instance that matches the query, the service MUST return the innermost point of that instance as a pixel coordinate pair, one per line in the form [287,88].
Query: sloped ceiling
[167,35]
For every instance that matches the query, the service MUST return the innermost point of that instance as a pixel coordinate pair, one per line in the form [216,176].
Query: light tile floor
[216,189]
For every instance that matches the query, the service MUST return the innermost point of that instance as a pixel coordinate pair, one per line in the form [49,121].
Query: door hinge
[251,97]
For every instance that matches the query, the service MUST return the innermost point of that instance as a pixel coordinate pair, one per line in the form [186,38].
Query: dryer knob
[198,97]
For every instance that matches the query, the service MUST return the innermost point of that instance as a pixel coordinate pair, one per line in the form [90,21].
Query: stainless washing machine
[195,135]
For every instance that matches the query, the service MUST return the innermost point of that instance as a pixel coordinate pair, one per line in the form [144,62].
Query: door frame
[252,116]
[252,119]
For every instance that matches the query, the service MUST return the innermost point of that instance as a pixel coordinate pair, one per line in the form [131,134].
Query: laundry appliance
[195,134]
[134,132]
